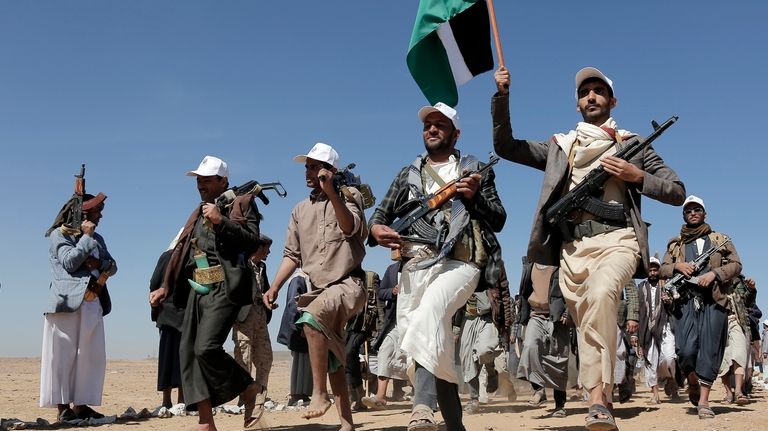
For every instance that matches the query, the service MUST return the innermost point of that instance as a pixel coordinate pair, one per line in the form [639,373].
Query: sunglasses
[695,210]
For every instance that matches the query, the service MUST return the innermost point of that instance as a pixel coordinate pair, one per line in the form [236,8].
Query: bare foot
[204,427]
[317,407]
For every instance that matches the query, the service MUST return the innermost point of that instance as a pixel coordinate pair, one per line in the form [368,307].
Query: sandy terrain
[132,383]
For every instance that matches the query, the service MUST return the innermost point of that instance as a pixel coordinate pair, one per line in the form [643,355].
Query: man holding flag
[596,255]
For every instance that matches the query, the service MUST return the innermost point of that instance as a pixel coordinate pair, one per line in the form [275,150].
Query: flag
[450,44]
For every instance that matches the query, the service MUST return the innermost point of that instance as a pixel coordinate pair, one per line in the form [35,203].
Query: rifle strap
[435,176]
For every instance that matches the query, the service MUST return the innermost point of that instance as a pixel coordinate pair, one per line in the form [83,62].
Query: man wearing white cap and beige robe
[598,255]
[325,239]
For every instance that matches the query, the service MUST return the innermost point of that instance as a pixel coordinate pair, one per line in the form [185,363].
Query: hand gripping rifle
[583,195]
[434,201]
[675,285]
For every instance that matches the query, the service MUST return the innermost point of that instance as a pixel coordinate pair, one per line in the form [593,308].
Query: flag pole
[496,37]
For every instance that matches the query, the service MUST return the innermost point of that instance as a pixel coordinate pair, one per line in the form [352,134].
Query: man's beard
[440,146]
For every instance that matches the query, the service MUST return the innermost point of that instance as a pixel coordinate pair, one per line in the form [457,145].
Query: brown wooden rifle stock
[437,199]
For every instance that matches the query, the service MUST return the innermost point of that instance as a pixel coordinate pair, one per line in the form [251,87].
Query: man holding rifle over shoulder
[702,309]
[74,358]
[207,276]
[597,253]
[446,254]
[325,239]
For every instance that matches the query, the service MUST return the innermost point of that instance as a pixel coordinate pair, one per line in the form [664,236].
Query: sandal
[742,400]
[538,398]
[422,419]
[600,419]
[559,413]
[705,412]
[472,407]
[374,403]
[729,399]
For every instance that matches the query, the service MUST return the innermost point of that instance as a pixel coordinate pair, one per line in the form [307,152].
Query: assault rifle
[76,218]
[583,195]
[674,285]
[251,187]
[347,178]
[435,200]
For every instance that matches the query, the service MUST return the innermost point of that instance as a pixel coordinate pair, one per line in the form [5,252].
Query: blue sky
[140,91]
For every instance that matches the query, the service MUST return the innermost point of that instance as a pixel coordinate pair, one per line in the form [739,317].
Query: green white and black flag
[450,44]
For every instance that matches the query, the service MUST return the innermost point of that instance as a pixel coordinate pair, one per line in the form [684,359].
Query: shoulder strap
[673,248]
[435,176]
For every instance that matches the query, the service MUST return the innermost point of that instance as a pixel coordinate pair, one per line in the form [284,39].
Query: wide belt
[590,228]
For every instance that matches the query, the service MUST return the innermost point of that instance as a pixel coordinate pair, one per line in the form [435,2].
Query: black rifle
[251,187]
[675,285]
[425,204]
[76,218]
[347,178]
[583,195]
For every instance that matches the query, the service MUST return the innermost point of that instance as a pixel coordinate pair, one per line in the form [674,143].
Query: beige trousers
[593,272]
[253,350]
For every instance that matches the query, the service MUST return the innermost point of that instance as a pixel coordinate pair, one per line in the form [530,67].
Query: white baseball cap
[694,200]
[654,260]
[443,109]
[591,72]
[209,167]
[322,153]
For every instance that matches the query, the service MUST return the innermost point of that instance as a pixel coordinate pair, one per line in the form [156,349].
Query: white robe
[74,358]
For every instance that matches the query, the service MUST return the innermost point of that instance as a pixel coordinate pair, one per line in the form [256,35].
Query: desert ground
[132,384]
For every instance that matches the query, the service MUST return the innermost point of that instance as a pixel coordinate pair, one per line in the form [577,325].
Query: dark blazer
[236,237]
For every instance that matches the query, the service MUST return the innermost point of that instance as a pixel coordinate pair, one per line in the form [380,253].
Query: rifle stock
[76,218]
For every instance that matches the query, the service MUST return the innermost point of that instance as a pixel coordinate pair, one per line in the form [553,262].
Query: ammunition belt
[589,228]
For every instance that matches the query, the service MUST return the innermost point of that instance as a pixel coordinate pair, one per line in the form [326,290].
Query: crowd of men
[442,315]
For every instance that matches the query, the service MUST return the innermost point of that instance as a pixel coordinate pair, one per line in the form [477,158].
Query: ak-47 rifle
[97,284]
[434,201]
[583,196]
[76,218]
[347,178]
[251,187]
[675,285]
